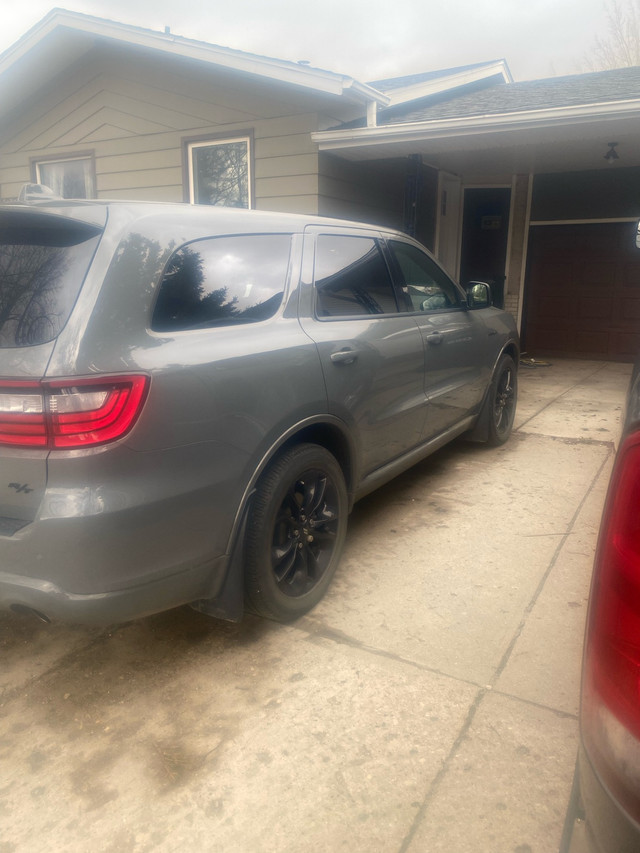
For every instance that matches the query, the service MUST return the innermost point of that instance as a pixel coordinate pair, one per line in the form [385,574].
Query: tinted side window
[428,286]
[223,281]
[351,278]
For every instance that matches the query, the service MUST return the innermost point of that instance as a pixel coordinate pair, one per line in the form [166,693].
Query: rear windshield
[42,266]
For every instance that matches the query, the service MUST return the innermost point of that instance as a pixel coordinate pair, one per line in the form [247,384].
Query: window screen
[223,281]
[351,278]
[428,286]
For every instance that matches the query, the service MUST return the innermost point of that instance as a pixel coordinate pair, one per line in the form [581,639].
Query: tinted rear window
[42,267]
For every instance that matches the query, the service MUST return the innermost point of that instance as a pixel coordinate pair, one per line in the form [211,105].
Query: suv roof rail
[36,192]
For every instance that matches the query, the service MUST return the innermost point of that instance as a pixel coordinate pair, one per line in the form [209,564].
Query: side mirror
[478,294]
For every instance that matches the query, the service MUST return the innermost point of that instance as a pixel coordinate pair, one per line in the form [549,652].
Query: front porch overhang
[572,138]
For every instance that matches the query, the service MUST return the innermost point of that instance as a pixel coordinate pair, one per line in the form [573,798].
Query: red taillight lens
[70,414]
[611,677]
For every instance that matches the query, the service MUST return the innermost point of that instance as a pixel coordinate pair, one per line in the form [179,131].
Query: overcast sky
[367,39]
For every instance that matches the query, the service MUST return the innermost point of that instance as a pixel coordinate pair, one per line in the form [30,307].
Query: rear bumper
[595,821]
[103,608]
[118,535]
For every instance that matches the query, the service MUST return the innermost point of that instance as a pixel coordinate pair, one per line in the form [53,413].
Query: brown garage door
[583,291]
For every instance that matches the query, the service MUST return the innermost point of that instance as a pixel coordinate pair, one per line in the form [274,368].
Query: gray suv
[192,398]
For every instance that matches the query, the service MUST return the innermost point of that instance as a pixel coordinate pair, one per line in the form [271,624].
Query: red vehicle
[604,811]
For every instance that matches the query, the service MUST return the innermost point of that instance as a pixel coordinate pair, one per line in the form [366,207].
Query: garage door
[583,291]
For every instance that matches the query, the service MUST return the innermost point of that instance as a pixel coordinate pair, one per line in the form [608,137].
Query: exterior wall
[365,192]
[375,191]
[133,115]
[610,193]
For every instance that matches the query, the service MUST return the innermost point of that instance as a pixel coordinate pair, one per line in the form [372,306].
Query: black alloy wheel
[503,399]
[296,532]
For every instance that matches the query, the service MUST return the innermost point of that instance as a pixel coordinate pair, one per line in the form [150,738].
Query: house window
[219,172]
[71,178]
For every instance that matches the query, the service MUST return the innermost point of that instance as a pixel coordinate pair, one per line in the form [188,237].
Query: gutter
[474,125]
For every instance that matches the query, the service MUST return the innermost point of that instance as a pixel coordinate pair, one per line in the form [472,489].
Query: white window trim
[207,143]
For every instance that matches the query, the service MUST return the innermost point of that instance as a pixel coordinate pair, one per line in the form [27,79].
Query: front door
[457,341]
[485,231]
[370,347]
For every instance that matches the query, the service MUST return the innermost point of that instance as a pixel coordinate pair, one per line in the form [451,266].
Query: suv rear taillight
[610,714]
[69,413]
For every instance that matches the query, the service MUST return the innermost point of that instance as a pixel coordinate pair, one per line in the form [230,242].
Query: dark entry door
[485,230]
[583,291]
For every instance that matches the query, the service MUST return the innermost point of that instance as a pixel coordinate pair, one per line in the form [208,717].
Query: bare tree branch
[620,48]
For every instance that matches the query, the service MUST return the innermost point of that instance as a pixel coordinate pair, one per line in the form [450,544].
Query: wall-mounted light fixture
[612,154]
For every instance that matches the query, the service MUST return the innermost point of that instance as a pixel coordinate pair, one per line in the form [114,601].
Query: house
[534,186]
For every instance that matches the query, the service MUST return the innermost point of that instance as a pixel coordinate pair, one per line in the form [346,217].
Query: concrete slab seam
[340,638]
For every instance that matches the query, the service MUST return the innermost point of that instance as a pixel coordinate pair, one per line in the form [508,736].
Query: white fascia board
[317,79]
[451,81]
[474,125]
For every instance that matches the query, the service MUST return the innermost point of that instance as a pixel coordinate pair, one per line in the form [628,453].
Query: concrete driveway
[428,704]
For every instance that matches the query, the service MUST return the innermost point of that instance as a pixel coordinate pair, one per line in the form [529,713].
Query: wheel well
[333,440]
[512,350]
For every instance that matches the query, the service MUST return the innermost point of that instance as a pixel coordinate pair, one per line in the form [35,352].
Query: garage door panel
[583,291]
[596,275]
[549,340]
[627,311]
[625,346]
[591,343]
[552,311]
[590,308]
[629,274]
[553,277]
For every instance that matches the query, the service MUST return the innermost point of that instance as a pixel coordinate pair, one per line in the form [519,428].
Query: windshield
[43,264]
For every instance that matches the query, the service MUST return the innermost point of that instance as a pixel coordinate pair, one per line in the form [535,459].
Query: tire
[501,401]
[295,532]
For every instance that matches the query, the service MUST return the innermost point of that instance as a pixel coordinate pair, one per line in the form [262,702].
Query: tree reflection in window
[220,173]
[39,284]
[223,281]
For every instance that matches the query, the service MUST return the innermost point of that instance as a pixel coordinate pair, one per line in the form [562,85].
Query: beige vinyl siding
[133,115]
[366,192]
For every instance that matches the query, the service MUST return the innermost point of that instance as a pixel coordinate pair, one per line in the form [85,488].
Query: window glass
[428,286]
[223,281]
[43,263]
[219,172]
[351,278]
[67,178]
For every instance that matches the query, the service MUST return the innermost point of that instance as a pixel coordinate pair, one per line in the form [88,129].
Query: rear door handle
[344,356]
[434,338]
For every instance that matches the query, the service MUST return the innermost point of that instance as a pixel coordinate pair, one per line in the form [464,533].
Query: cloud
[366,39]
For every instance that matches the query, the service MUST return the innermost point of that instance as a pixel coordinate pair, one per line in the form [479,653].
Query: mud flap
[229,603]
[480,431]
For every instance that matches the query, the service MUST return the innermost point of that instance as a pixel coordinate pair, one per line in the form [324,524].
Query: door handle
[344,356]
[434,338]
